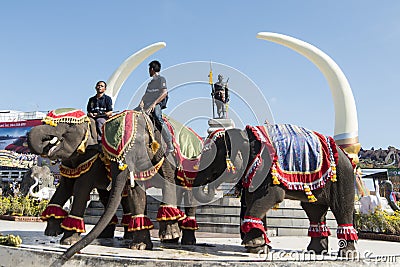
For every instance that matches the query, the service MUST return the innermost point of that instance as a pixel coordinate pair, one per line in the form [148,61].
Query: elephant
[69,136]
[134,148]
[391,196]
[258,157]
[40,177]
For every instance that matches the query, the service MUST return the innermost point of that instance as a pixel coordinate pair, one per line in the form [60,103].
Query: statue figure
[221,96]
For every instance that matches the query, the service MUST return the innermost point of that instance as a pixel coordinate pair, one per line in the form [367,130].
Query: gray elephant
[391,195]
[38,182]
[70,136]
[271,165]
[133,147]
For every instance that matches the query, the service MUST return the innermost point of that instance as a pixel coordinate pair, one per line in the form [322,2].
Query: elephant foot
[171,241]
[253,239]
[53,227]
[70,238]
[127,235]
[108,232]
[347,249]
[169,231]
[188,237]
[259,250]
[318,244]
[141,240]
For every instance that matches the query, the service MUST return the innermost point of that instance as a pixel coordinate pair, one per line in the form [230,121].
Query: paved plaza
[212,249]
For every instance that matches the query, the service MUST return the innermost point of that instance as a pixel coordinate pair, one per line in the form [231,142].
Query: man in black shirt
[154,100]
[99,107]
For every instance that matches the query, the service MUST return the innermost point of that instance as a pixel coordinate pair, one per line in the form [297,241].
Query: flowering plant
[22,206]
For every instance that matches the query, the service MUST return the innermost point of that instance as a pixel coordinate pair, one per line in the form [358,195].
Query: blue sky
[53,52]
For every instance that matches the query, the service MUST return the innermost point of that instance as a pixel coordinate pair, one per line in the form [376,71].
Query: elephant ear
[261,157]
[237,142]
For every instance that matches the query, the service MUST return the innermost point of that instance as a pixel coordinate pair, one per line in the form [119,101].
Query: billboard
[13,135]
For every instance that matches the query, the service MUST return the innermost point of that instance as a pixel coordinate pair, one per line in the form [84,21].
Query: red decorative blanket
[301,159]
[188,151]
[119,133]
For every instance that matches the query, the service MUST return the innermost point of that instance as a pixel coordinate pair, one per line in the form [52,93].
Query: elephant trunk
[115,199]
[202,196]
[31,193]
[37,136]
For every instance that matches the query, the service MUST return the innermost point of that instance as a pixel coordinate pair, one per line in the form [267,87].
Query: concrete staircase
[290,219]
[222,216]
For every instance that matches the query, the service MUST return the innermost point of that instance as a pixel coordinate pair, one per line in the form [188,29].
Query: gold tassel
[312,199]
[155,146]
[276,206]
[333,178]
[122,166]
[229,165]
[310,196]
[81,148]
[275,179]
[49,122]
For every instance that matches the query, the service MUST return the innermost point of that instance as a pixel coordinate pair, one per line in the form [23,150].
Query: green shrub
[379,222]
[22,206]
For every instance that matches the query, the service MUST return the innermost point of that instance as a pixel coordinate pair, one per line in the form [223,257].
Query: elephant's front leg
[168,215]
[188,224]
[263,199]
[138,224]
[74,224]
[54,213]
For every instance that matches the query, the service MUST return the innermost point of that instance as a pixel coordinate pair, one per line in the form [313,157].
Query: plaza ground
[212,249]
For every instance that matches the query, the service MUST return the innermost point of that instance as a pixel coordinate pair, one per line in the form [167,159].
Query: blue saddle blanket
[298,149]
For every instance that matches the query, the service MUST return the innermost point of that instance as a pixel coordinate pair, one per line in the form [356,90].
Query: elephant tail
[114,201]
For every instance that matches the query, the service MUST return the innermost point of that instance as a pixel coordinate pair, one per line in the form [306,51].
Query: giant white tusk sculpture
[120,75]
[346,123]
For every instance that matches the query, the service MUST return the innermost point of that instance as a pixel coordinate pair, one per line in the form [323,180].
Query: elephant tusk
[346,123]
[54,140]
[120,75]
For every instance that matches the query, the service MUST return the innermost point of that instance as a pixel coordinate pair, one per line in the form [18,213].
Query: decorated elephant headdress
[69,115]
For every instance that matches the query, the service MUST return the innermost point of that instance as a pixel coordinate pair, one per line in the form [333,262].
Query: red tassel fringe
[73,223]
[126,218]
[53,210]
[189,223]
[252,222]
[168,213]
[346,232]
[139,222]
[318,230]
[114,220]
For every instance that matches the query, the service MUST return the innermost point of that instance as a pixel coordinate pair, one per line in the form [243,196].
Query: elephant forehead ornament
[69,115]
[217,134]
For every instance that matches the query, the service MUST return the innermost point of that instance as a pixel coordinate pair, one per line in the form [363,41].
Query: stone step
[223,216]
[293,213]
[99,211]
[218,227]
